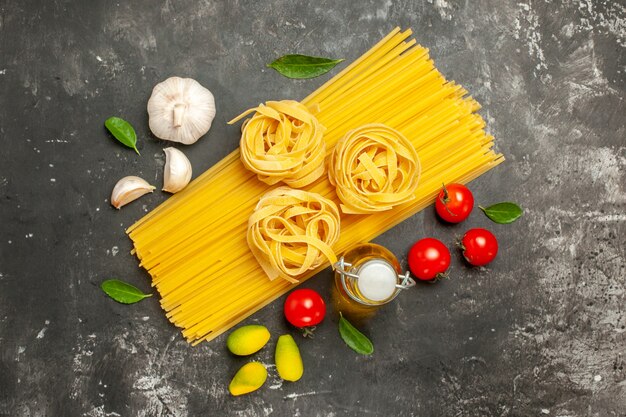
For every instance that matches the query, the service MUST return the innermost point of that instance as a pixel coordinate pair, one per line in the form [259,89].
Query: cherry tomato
[479,246]
[454,203]
[429,259]
[304,307]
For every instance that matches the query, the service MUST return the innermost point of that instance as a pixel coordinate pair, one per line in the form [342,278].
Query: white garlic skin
[129,189]
[177,173]
[180,110]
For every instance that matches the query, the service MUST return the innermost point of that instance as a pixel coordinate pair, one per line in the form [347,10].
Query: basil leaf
[122,292]
[503,213]
[303,66]
[356,340]
[123,132]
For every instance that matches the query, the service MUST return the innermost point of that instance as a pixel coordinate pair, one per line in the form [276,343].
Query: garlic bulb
[180,110]
[129,189]
[177,170]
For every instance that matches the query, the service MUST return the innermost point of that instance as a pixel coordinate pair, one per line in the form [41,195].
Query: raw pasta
[374,168]
[282,141]
[292,232]
[194,245]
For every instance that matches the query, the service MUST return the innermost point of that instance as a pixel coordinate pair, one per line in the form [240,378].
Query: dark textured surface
[541,331]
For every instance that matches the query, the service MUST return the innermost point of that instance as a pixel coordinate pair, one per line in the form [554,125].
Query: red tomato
[304,307]
[429,259]
[454,203]
[479,246]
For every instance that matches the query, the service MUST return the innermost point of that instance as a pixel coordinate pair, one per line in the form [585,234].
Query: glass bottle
[367,277]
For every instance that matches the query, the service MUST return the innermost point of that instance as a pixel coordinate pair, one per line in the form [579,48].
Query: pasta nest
[374,168]
[283,141]
[292,232]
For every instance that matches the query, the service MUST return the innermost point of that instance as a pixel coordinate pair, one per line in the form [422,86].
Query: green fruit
[288,359]
[249,378]
[247,339]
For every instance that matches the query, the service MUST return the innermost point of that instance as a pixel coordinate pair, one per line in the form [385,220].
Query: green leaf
[503,213]
[356,340]
[303,66]
[123,132]
[122,292]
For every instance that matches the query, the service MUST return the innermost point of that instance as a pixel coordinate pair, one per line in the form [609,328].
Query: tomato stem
[308,331]
[442,275]
[446,199]
[445,194]
[459,243]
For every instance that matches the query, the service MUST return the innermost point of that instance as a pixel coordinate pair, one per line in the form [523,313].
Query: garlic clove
[177,172]
[129,189]
[180,110]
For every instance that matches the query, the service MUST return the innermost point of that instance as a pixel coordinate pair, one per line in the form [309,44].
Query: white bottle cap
[377,280]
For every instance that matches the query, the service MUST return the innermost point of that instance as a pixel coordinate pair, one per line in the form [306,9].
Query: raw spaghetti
[194,244]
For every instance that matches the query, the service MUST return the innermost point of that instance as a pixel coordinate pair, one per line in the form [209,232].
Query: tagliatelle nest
[282,141]
[373,168]
[292,232]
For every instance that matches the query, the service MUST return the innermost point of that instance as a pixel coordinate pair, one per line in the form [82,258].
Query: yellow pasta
[292,232]
[194,245]
[282,141]
[374,168]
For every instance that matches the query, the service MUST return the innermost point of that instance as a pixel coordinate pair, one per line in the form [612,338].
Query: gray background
[540,332]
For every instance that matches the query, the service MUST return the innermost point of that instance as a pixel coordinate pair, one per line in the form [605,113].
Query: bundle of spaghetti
[194,244]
